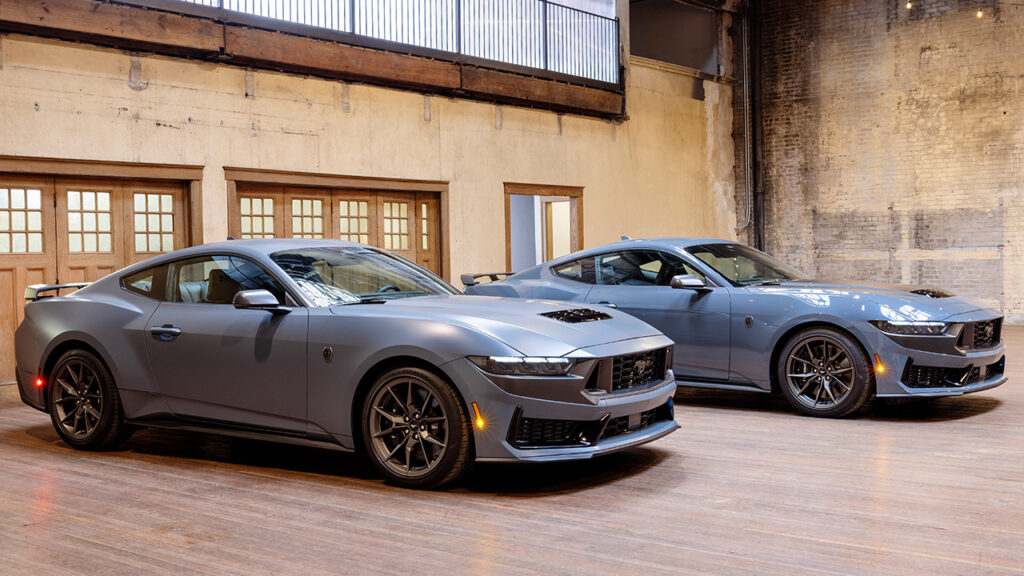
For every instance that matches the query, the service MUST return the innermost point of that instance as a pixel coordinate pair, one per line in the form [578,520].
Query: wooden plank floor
[746,486]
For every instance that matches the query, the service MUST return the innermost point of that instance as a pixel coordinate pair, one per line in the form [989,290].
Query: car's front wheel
[824,372]
[416,429]
[84,404]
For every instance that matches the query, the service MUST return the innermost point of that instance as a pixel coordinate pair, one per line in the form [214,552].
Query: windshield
[743,266]
[353,275]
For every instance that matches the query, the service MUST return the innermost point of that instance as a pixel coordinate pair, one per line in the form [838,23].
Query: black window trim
[290,299]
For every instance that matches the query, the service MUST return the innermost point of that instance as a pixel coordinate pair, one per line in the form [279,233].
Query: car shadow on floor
[515,479]
[910,410]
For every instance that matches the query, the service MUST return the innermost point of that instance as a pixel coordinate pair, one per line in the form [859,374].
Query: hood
[914,302]
[516,322]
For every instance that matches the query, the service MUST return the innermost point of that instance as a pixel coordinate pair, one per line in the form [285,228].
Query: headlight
[911,328]
[523,365]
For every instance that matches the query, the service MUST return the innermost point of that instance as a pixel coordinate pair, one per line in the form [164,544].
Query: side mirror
[258,300]
[689,282]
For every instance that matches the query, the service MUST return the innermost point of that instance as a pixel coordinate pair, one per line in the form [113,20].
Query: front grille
[539,432]
[636,370]
[984,334]
[619,426]
[542,433]
[576,315]
[939,377]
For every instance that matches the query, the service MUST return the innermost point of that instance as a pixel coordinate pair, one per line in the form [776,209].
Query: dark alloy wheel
[415,429]
[83,402]
[824,372]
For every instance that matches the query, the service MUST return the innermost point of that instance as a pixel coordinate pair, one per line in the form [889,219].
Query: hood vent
[932,293]
[577,315]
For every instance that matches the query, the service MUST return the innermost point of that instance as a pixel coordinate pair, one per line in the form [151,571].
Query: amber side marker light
[39,382]
[479,420]
[879,367]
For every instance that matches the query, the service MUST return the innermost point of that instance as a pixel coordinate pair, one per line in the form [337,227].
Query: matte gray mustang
[743,320]
[331,342]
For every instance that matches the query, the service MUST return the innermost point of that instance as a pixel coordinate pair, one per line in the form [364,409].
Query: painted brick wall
[893,141]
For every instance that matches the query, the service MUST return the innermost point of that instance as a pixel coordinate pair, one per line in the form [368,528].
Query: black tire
[84,404]
[824,372]
[404,439]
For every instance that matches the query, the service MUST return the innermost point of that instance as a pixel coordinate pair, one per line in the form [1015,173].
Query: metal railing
[531,33]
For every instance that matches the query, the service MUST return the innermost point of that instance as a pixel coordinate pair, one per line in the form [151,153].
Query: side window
[672,265]
[216,280]
[581,270]
[641,268]
[630,268]
[151,282]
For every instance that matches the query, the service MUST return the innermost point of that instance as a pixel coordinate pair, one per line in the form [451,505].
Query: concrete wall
[893,142]
[667,170]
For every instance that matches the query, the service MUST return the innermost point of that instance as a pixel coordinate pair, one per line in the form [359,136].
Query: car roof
[669,243]
[256,248]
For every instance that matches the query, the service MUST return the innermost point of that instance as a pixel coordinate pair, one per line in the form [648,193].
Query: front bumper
[922,371]
[504,413]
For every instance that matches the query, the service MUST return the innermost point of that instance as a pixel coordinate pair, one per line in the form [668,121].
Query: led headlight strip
[523,365]
[919,328]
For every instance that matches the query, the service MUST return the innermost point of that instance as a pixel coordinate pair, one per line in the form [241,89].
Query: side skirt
[720,386]
[241,431]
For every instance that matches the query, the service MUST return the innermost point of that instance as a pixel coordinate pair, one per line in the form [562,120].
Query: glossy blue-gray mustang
[743,320]
[318,341]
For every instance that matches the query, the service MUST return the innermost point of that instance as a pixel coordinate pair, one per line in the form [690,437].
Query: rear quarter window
[581,270]
[151,282]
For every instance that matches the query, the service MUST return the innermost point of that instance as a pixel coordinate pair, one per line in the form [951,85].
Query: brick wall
[892,143]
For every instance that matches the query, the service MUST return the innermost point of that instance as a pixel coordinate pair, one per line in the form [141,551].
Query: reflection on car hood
[515,322]
[937,302]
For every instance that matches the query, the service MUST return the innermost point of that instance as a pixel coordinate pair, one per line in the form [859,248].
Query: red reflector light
[39,382]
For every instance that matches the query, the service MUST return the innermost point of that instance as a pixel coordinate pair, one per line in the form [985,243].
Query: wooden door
[355,214]
[259,212]
[27,245]
[307,213]
[406,223]
[89,244]
[154,220]
[428,228]
[397,223]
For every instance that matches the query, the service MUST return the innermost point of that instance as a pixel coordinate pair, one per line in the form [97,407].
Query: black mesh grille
[986,334]
[637,369]
[938,377]
[539,432]
[619,426]
[576,315]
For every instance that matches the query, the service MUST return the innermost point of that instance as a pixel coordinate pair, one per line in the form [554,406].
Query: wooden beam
[93,168]
[106,23]
[284,51]
[536,91]
[260,176]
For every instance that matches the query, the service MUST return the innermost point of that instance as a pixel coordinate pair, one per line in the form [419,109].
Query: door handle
[608,304]
[165,332]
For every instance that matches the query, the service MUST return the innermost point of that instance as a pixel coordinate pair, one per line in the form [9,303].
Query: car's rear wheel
[84,404]
[416,429]
[824,372]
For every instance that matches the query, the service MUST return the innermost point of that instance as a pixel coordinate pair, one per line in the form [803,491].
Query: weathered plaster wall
[665,171]
[893,141]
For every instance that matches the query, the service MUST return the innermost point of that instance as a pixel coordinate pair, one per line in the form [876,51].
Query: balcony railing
[531,33]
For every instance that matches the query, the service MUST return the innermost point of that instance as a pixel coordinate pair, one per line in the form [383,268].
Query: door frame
[189,175]
[234,176]
[573,193]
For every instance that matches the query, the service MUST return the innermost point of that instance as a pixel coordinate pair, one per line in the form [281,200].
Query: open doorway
[542,222]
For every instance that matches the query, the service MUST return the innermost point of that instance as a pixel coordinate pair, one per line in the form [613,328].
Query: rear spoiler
[470,279]
[35,291]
